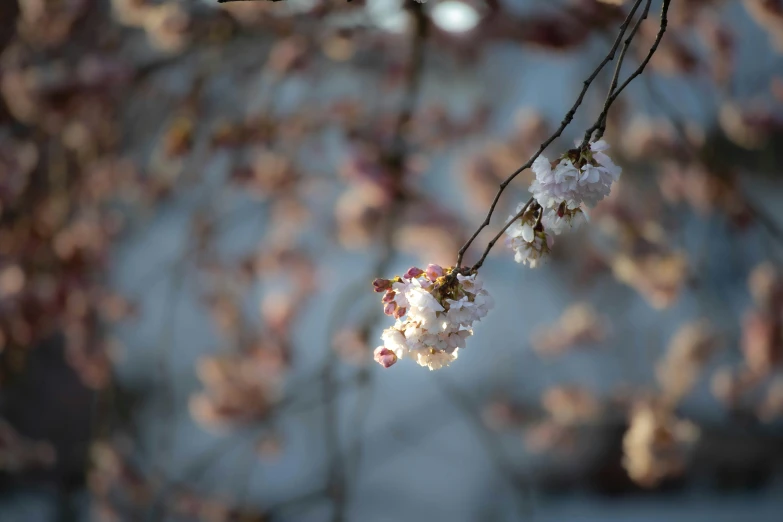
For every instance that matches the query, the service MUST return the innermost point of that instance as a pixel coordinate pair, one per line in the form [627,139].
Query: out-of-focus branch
[491,445]
[762,217]
[337,482]
[566,121]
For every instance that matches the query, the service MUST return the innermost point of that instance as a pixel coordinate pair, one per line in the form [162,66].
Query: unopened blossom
[434,313]
[434,271]
[385,357]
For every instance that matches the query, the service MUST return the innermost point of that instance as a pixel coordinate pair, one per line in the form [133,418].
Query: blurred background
[195,198]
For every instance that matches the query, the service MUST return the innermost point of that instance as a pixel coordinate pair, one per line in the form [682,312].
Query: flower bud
[384,356]
[389,296]
[413,272]
[399,312]
[389,308]
[379,285]
[434,271]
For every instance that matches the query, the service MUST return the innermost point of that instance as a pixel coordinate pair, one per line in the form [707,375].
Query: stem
[566,121]
[613,96]
[505,227]
[600,124]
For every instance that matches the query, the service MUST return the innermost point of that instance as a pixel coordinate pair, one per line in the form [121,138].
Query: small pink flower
[434,271]
[384,356]
[413,272]
[380,285]
[399,312]
[389,296]
[390,308]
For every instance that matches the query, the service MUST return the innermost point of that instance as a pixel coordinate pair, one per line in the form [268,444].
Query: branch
[523,489]
[566,121]
[338,486]
[773,228]
[505,227]
[600,124]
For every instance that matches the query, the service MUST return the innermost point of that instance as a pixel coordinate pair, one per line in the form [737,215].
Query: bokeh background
[195,198]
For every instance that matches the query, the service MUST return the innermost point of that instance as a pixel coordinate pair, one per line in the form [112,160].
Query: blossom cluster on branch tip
[582,176]
[435,310]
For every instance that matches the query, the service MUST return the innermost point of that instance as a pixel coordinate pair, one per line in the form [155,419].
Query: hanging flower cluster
[435,311]
[580,177]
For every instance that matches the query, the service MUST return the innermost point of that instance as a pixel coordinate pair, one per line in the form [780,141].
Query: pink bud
[413,272]
[434,272]
[389,296]
[379,285]
[399,312]
[384,356]
[389,308]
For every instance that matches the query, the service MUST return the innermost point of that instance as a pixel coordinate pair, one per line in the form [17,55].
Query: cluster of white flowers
[435,310]
[527,238]
[580,177]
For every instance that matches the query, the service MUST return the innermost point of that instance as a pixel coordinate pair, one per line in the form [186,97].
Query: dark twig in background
[395,159]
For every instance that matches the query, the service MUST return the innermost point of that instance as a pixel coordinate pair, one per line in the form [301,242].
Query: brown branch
[523,488]
[338,486]
[566,121]
[600,124]
[614,92]
[773,228]
[497,236]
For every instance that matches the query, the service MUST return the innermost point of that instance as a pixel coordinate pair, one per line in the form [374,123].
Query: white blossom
[556,223]
[436,318]
[587,181]
[435,359]
[528,245]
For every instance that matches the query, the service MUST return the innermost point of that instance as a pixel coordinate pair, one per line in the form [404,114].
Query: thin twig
[566,121]
[463,401]
[773,228]
[600,124]
[338,486]
[497,236]
[653,48]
